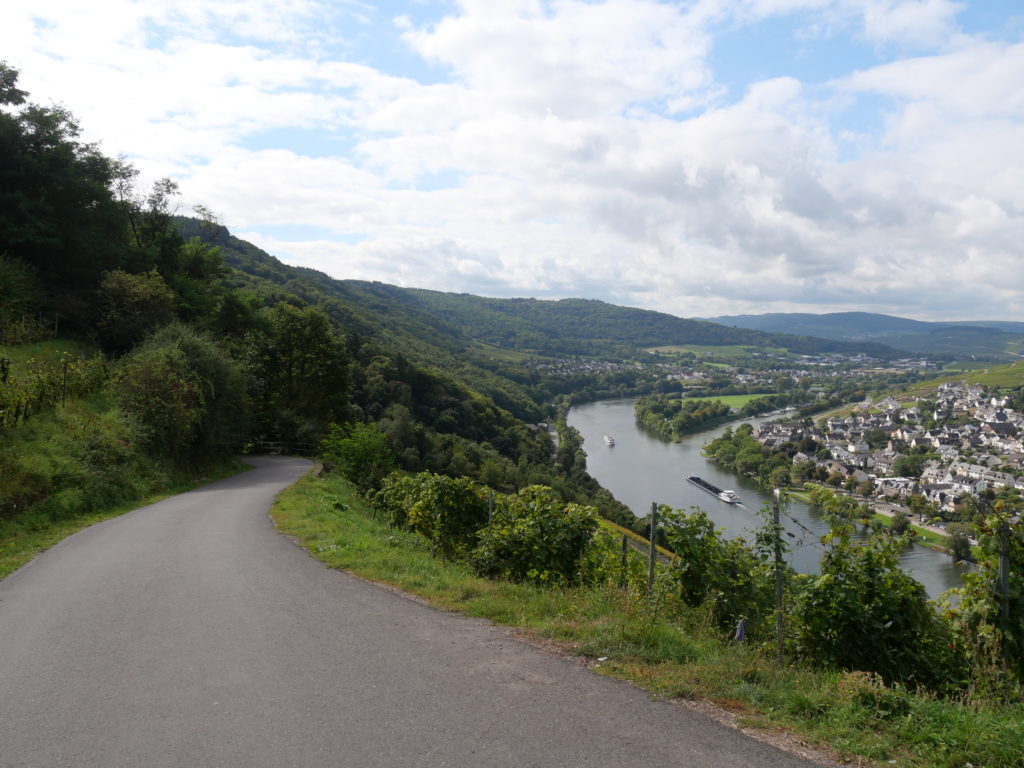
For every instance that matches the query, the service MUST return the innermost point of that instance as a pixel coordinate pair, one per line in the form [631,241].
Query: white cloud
[917,22]
[571,148]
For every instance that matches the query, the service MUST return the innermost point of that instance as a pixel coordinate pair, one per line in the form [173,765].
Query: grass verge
[671,654]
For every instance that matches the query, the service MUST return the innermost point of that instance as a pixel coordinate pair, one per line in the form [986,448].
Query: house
[968,485]
[943,495]
[999,428]
[998,479]
[933,472]
[904,487]
[884,461]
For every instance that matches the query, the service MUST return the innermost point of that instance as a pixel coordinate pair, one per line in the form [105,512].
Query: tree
[900,523]
[57,210]
[959,541]
[132,306]
[20,294]
[9,93]
[360,452]
[187,394]
[909,466]
[303,373]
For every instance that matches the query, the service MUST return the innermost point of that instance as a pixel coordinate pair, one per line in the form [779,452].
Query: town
[967,442]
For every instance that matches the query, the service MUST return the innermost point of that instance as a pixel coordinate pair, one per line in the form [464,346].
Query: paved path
[190,633]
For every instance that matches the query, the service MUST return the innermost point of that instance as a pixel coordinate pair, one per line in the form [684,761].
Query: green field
[1009,375]
[733,401]
[727,351]
[966,366]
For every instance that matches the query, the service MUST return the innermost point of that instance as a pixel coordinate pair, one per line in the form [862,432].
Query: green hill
[999,340]
[439,327]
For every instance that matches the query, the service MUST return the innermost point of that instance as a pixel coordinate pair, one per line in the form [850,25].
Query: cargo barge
[729,497]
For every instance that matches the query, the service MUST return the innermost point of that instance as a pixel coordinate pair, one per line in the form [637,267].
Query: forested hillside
[194,345]
[583,326]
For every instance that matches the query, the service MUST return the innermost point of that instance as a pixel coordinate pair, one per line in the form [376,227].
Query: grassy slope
[671,655]
[1008,376]
[47,351]
[78,458]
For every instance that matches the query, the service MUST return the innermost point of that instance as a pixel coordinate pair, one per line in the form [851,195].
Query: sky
[700,158]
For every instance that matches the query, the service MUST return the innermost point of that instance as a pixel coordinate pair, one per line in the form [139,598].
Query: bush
[187,394]
[535,537]
[864,613]
[448,511]
[72,461]
[361,452]
[394,497]
[723,575]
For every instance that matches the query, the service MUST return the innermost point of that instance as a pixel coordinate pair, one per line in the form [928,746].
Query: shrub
[864,613]
[361,452]
[394,497]
[723,575]
[448,511]
[534,536]
[186,393]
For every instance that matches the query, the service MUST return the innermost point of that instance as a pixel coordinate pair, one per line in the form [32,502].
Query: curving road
[190,633]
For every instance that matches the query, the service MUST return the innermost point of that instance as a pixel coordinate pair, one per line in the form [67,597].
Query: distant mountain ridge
[436,327]
[572,325]
[997,338]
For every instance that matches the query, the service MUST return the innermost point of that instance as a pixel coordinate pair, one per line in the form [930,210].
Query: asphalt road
[191,633]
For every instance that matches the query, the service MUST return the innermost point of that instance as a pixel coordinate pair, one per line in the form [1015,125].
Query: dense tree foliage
[301,369]
[740,451]
[57,210]
[187,394]
[674,417]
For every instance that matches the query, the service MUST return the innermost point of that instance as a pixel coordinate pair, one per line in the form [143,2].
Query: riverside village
[884,453]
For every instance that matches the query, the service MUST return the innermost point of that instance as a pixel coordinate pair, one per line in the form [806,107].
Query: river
[640,469]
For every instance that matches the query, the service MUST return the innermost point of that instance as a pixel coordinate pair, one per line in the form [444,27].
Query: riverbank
[926,535]
[642,469]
